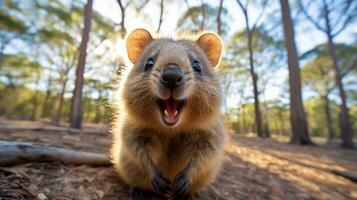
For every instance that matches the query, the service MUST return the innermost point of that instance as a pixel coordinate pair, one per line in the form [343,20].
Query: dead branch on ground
[14,153]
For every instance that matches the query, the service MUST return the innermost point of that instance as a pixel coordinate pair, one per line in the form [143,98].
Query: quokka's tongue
[170,110]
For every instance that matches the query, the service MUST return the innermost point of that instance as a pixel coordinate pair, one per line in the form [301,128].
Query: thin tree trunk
[122,23]
[161,15]
[258,118]
[76,108]
[300,133]
[46,99]
[97,108]
[326,102]
[227,83]
[281,122]
[218,20]
[57,113]
[244,123]
[35,103]
[203,16]
[254,76]
[346,127]
[266,123]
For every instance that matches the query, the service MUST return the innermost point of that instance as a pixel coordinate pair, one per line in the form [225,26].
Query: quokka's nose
[172,77]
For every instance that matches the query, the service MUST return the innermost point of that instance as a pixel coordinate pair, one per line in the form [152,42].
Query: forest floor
[254,169]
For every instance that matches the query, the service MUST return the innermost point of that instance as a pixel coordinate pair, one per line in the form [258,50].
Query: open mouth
[170,110]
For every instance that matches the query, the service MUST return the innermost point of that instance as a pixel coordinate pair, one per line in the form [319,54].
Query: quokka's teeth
[165,112]
[175,112]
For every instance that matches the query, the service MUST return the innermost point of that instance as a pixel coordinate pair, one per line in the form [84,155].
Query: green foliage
[317,119]
[50,53]
[264,45]
[55,36]
[318,74]
[19,68]
[11,23]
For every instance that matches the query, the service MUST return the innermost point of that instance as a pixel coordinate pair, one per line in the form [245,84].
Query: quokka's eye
[149,64]
[196,66]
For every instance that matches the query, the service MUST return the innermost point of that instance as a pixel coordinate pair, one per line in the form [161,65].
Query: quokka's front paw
[160,183]
[181,185]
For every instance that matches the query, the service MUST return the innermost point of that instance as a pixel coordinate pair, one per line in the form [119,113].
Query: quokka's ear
[136,41]
[212,45]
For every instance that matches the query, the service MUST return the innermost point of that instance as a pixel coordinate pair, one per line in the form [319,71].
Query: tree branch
[244,8]
[345,23]
[218,20]
[122,23]
[139,8]
[203,15]
[260,15]
[187,4]
[310,18]
[14,153]
[342,14]
[51,129]
[352,66]
[161,14]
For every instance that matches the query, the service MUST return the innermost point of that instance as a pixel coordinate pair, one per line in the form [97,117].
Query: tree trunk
[218,20]
[244,124]
[281,122]
[97,108]
[346,127]
[35,102]
[57,112]
[266,121]
[45,107]
[76,108]
[326,102]
[122,23]
[203,16]
[258,118]
[161,14]
[299,127]
[34,106]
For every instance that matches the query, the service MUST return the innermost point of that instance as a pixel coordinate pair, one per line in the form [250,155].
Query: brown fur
[142,140]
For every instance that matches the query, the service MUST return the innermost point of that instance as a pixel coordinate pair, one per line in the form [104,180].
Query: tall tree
[250,29]
[318,74]
[76,108]
[344,12]
[300,134]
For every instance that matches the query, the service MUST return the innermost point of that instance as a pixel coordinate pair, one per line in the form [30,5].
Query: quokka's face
[172,81]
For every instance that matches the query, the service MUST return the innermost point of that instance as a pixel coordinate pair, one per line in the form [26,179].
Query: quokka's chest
[174,155]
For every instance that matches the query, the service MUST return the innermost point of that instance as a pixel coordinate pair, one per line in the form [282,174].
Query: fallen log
[349,175]
[14,153]
[50,128]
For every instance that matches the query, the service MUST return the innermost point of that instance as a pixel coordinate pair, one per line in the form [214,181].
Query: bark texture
[299,127]
[76,108]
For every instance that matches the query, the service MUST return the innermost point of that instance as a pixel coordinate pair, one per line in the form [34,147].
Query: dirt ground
[253,169]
